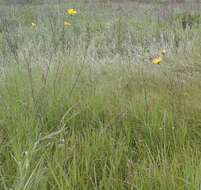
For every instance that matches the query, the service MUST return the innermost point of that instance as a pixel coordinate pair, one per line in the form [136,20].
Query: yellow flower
[67,23]
[72,12]
[158,59]
[33,24]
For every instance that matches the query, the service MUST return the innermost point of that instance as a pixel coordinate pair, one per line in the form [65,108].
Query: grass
[82,107]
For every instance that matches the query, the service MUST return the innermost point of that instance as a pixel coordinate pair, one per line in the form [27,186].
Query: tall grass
[83,108]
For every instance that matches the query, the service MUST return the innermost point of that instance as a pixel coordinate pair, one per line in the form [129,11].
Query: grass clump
[188,19]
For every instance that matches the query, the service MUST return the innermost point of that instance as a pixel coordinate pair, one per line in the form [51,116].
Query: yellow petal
[72,11]
[157,60]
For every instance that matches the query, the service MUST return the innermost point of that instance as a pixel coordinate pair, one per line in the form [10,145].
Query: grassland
[82,107]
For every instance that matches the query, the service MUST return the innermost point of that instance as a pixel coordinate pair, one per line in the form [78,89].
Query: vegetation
[82,106]
[188,19]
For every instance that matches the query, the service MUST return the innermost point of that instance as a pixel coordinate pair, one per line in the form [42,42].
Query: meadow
[82,106]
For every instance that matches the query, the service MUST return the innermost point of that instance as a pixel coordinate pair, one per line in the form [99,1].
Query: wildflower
[67,23]
[158,59]
[33,24]
[72,12]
